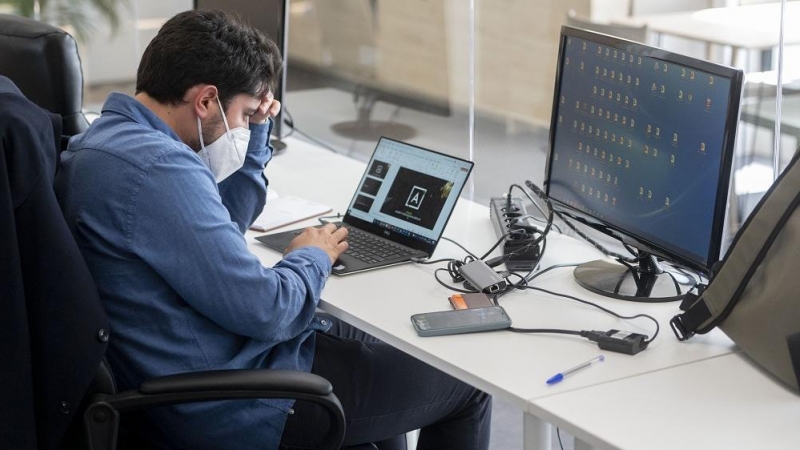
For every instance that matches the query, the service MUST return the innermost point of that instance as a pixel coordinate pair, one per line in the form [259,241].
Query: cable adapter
[482,277]
[618,341]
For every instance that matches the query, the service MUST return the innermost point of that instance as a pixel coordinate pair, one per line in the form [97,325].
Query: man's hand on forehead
[269,107]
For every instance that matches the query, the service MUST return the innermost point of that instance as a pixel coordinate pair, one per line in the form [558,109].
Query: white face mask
[225,155]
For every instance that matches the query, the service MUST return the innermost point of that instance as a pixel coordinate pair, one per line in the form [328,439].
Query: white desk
[726,402]
[508,365]
[750,27]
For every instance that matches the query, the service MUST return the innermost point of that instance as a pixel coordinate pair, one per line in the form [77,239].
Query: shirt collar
[128,106]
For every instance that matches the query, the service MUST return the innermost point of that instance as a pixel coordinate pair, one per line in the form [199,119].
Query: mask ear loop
[200,133]
[224,120]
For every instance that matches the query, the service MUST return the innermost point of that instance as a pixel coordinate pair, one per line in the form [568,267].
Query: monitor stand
[644,281]
[366,129]
[278,146]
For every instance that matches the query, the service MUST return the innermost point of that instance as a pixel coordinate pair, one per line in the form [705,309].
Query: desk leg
[535,433]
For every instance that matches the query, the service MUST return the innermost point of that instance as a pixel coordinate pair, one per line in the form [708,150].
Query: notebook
[400,209]
[281,211]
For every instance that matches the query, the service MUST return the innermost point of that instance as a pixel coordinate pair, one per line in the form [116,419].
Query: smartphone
[460,321]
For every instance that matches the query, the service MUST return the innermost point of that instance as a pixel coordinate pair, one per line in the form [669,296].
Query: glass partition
[360,69]
[475,78]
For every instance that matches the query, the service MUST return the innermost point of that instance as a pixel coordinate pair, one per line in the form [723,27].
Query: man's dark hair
[209,47]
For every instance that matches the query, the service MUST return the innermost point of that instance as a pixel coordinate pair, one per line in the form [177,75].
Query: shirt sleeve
[181,229]
[244,193]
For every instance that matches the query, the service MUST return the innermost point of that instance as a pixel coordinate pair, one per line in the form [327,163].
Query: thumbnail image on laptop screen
[409,190]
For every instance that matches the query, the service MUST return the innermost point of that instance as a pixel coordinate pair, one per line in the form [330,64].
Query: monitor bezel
[728,145]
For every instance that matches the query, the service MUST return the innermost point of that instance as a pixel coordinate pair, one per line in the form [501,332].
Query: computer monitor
[641,147]
[271,17]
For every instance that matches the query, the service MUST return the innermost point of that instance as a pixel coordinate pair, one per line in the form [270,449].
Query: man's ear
[203,98]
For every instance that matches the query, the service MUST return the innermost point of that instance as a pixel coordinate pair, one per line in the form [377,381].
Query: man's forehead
[246,101]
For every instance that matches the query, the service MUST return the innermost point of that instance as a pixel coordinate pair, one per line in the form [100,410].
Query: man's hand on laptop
[328,237]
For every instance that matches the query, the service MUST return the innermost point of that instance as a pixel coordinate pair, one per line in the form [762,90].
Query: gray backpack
[754,293]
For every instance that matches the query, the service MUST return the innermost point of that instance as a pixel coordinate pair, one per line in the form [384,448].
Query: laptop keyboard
[372,249]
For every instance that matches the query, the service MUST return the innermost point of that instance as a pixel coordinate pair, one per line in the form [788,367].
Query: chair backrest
[43,62]
[631,33]
[53,329]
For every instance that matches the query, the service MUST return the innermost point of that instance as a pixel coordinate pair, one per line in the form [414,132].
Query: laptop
[400,209]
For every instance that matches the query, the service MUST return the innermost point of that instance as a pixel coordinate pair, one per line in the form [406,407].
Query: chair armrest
[102,415]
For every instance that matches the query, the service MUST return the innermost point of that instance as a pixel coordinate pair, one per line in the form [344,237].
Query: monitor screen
[641,144]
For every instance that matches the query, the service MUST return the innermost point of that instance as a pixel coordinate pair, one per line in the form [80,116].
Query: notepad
[285,210]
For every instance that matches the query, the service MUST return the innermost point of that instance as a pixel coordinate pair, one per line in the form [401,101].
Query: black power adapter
[618,341]
[509,215]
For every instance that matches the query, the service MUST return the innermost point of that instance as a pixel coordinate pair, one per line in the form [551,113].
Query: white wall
[114,57]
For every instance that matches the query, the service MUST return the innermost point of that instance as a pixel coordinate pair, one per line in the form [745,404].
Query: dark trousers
[385,393]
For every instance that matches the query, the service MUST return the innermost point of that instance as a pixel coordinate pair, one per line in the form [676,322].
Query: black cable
[316,141]
[697,276]
[453,265]
[541,233]
[530,198]
[535,204]
[558,433]
[524,280]
[596,244]
[452,269]
[453,288]
[541,194]
[520,285]
[544,330]
[675,282]
[631,270]
[460,246]
[434,261]
[555,266]
[586,302]
[558,266]
[499,259]
[569,223]
[531,275]
[288,121]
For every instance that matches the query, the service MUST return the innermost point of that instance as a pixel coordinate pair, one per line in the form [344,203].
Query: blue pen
[560,376]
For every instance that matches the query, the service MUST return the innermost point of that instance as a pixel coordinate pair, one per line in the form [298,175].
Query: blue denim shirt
[165,246]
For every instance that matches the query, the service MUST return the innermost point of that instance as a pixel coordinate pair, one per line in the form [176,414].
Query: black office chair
[43,62]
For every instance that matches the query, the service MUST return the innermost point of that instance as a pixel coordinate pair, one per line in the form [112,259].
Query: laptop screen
[408,193]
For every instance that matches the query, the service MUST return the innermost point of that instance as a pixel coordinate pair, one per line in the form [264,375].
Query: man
[159,191]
